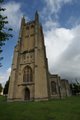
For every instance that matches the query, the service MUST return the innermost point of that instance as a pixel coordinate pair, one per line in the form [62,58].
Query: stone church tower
[29,75]
[30,79]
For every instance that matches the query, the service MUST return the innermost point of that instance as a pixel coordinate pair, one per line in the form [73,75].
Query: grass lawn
[65,109]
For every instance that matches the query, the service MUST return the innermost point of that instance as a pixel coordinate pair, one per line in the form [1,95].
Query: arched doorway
[27,94]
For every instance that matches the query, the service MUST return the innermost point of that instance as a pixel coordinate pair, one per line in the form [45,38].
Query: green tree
[75,88]
[5,31]
[1,88]
[5,91]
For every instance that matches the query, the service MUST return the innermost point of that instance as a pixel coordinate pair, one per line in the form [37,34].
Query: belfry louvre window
[27,75]
[53,87]
[32,26]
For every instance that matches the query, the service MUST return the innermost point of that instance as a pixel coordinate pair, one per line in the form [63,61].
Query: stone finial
[23,20]
[36,16]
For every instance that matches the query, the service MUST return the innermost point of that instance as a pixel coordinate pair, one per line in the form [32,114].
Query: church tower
[29,74]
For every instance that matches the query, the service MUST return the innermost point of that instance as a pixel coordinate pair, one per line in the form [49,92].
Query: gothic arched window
[27,75]
[53,87]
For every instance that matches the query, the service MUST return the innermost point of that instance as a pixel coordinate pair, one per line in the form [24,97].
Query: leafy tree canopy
[4,29]
[75,88]
[1,87]
[5,91]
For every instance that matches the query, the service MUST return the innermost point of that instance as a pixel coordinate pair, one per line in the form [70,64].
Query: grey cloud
[68,64]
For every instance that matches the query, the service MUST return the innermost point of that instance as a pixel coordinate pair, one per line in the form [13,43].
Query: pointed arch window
[27,75]
[53,87]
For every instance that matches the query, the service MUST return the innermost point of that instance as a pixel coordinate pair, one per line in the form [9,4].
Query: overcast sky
[61,26]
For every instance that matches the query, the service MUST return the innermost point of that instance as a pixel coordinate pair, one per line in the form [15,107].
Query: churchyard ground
[64,109]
